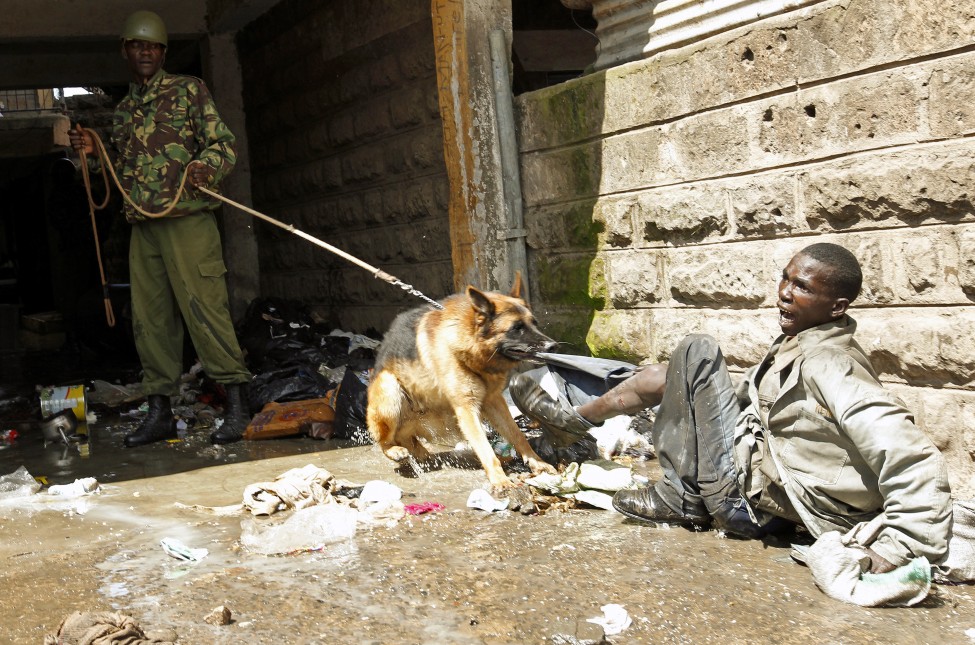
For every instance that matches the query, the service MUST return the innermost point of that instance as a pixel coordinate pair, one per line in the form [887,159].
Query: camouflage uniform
[176,262]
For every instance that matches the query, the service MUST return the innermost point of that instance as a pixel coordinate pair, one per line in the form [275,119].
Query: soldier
[165,125]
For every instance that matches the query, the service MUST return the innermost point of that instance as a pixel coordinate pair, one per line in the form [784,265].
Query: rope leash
[377,273]
[106,163]
[92,207]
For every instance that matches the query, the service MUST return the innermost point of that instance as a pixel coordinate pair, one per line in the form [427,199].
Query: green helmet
[145,25]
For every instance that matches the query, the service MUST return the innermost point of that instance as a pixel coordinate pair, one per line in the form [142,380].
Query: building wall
[346,146]
[664,196]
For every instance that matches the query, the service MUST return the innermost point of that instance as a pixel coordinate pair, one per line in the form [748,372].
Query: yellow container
[65,397]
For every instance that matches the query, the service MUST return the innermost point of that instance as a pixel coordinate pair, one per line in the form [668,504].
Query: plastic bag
[308,529]
[289,384]
[350,408]
[19,483]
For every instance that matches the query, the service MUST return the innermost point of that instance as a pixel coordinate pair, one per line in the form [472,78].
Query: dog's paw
[501,485]
[397,453]
[538,467]
[520,499]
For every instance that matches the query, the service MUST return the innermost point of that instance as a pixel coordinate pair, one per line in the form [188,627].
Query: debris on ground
[219,616]
[423,508]
[77,488]
[294,489]
[614,619]
[18,484]
[180,551]
[307,529]
[592,482]
[100,628]
[482,500]
[586,633]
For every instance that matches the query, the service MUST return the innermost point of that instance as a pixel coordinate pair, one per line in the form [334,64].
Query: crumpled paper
[614,619]
[77,488]
[482,500]
[180,551]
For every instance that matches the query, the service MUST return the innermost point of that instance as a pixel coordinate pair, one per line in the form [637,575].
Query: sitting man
[810,436]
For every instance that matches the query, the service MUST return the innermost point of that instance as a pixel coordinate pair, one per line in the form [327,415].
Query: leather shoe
[645,504]
[158,425]
[559,420]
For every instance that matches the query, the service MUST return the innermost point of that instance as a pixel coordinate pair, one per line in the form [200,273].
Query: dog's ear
[516,287]
[481,303]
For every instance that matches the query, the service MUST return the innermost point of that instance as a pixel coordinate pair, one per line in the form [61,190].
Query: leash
[376,273]
[106,163]
[92,207]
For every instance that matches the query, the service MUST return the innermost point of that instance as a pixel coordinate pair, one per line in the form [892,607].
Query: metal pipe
[510,173]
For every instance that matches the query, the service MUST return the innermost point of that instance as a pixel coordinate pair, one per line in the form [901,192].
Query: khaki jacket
[157,131]
[848,450]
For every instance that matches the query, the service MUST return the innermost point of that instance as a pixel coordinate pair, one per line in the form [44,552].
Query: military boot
[235,415]
[158,425]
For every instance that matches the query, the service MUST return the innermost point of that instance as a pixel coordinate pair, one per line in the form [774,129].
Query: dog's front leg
[470,426]
[499,416]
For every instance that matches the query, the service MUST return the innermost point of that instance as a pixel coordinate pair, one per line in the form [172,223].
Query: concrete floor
[458,576]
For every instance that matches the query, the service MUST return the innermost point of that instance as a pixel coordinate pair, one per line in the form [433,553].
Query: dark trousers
[693,433]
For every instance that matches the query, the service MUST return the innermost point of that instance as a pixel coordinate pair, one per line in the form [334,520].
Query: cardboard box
[287,419]
[47,322]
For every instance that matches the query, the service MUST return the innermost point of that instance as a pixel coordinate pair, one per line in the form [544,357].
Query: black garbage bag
[350,408]
[280,353]
[335,349]
[268,319]
[296,383]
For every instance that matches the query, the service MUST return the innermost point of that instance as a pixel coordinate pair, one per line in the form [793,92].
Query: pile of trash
[296,359]
[307,380]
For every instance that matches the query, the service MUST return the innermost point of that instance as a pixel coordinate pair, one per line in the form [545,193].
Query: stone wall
[346,146]
[665,196]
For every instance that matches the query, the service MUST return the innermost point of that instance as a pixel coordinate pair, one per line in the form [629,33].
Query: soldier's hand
[200,174]
[81,140]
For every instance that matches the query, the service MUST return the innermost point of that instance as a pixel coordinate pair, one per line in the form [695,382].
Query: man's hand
[200,173]
[81,140]
[878,564]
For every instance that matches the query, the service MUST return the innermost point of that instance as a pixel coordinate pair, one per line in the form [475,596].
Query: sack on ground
[959,564]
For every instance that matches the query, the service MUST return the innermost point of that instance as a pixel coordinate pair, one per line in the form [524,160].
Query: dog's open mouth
[519,353]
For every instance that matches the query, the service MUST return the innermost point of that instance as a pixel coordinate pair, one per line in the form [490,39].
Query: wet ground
[457,576]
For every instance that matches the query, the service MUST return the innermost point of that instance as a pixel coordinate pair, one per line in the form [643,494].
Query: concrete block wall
[665,196]
[346,146]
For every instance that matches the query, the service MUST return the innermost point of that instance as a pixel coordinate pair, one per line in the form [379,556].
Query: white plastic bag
[308,529]
[19,483]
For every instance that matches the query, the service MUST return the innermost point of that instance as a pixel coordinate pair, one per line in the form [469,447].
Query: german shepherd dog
[439,372]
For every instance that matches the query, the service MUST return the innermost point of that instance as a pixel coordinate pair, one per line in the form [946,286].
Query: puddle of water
[115,589]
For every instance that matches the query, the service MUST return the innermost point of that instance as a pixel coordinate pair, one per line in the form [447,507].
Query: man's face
[806,297]
[145,58]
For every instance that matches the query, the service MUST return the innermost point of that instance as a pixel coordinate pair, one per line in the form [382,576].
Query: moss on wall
[576,106]
[569,328]
[580,229]
[612,340]
[566,279]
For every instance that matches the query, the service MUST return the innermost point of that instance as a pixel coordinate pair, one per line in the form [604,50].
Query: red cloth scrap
[423,507]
